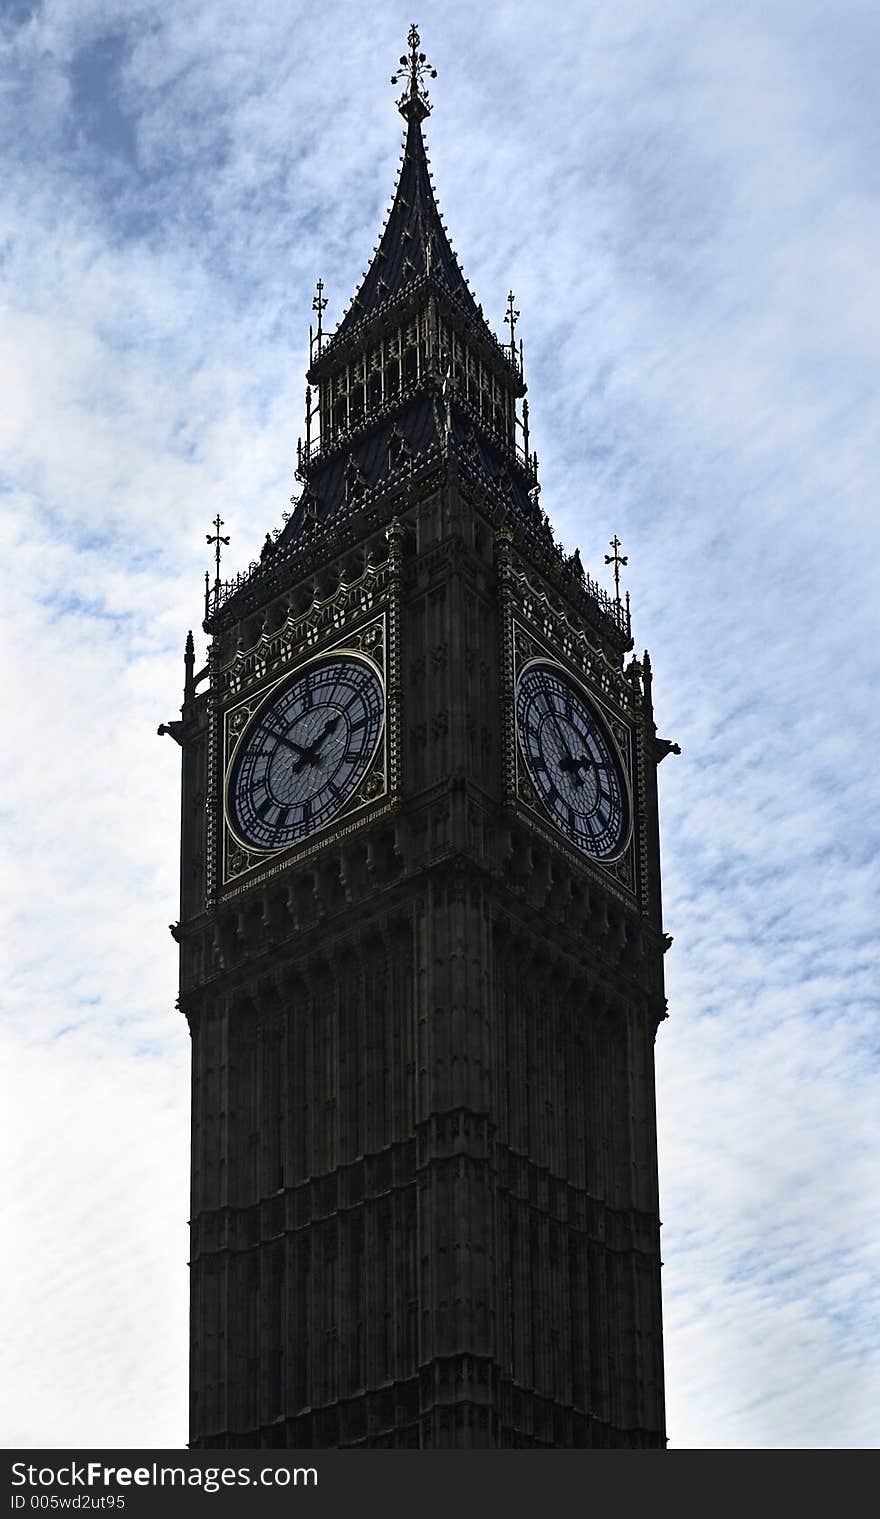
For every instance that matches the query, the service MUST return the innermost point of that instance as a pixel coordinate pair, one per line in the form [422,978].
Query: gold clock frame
[238,860]
[624,872]
[525,786]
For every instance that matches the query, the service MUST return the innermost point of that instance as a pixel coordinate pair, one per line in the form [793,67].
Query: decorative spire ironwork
[316,339]
[216,538]
[415,99]
[617,559]
[510,320]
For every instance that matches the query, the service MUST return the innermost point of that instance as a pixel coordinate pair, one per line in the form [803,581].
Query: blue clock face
[303,757]
[572,761]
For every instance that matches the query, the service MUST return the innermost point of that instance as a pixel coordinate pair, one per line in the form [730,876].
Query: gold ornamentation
[371,643]
[301,632]
[567,634]
[239,860]
[373,786]
[371,636]
[237,721]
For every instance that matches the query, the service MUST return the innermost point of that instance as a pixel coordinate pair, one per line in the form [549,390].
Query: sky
[685,201]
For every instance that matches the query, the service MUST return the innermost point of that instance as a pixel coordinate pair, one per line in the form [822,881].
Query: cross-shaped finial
[217,538]
[510,319]
[319,304]
[617,559]
[414,68]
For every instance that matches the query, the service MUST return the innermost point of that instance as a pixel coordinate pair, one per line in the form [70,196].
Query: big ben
[421,943]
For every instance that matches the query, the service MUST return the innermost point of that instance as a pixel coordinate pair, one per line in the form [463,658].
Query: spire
[414,244]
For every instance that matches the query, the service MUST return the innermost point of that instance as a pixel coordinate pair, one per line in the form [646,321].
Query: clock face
[572,761]
[303,756]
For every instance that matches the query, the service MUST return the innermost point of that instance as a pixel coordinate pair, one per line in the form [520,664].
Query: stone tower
[421,950]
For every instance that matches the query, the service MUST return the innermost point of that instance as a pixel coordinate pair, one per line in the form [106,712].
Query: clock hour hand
[309,754]
[568,762]
[583,762]
[327,729]
[312,755]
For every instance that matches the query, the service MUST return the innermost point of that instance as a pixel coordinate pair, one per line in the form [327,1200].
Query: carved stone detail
[553,621]
[303,633]
[522,644]
[372,641]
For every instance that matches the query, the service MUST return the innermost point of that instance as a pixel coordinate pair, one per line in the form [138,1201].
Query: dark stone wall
[424,1184]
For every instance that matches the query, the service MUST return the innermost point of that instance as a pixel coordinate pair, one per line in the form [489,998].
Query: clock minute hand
[290,743]
[561,736]
[567,762]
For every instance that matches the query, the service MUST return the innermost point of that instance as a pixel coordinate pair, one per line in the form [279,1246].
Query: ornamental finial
[511,319]
[415,100]
[217,538]
[316,339]
[618,560]
[319,306]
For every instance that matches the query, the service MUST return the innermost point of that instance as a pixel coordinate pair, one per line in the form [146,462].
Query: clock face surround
[302,757]
[572,761]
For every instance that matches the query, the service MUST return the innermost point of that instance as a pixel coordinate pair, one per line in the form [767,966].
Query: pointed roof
[413,243]
[425,427]
[414,247]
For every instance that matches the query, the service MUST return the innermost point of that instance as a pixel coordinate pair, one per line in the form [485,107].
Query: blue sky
[685,200]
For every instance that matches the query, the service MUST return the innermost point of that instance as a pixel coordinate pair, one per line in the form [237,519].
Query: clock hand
[311,755]
[569,763]
[565,752]
[328,728]
[583,762]
[290,743]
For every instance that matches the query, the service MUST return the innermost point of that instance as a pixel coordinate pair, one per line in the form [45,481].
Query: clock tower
[421,949]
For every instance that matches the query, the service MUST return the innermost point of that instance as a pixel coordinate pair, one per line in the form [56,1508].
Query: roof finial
[511,320]
[319,305]
[217,538]
[415,101]
[617,559]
